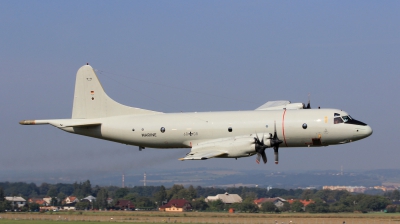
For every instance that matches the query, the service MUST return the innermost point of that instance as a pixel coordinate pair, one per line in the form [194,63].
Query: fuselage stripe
[283,126]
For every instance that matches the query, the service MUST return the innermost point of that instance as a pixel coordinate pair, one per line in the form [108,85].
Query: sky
[174,56]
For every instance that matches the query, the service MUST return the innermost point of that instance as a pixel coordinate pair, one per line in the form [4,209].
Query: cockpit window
[336,115]
[346,118]
[337,120]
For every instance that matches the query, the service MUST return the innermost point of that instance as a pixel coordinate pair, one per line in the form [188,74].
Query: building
[355,189]
[70,199]
[89,198]
[278,202]
[225,198]
[124,205]
[109,201]
[47,200]
[385,188]
[176,205]
[69,206]
[304,202]
[16,202]
[38,201]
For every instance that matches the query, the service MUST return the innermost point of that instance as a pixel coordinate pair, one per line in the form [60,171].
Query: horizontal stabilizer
[62,122]
[83,125]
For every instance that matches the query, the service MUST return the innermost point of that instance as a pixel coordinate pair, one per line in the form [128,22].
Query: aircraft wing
[232,147]
[203,154]
[206,150]
[279,105]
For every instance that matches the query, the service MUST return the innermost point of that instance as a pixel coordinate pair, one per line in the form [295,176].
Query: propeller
[273,141]
[260,149]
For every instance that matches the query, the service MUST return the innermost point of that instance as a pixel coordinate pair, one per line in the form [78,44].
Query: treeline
[151,197]
[84,189]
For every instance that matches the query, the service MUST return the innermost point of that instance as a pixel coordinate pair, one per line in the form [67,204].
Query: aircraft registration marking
[149,135]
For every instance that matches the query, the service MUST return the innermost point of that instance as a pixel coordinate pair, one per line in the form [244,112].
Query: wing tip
[27,122]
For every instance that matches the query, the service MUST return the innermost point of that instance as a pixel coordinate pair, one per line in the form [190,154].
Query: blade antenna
[308,105]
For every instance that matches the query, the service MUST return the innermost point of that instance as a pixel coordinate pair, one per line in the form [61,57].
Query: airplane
[226,134]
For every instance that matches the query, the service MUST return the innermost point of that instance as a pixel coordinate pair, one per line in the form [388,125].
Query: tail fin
[90,100]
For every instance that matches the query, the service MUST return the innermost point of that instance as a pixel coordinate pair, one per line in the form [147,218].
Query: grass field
[198,217]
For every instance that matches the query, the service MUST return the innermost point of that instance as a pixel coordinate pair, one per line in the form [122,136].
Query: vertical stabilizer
[90,100]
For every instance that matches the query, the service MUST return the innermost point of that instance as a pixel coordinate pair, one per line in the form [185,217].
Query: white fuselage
[182,130]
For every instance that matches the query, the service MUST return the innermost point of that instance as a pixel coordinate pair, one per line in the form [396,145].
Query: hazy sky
[176,56]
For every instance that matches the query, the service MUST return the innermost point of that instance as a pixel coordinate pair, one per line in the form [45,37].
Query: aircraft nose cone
[367,131]
[362,132]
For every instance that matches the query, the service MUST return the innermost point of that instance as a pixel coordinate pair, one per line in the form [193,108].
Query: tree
[34,207]
[268,207]
[199,204]
[285,207]
[173,192]
[54,201]
[297,206]
[307,195]
[250,196]
[318,207]
[161,195]
[101,200]
[249,206]
[61,196]
[121,193]
[395,195]
[44,188]
[391,208]
[216,205]
[192,194]
[2,197]
[324,195]
[182,194]
[144,202]
[132,197]
[311,208]
[5,205]
[52,192]
[86,188]
[82,205]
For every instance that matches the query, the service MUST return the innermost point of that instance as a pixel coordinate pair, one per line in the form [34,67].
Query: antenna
[123,180]
[309,104]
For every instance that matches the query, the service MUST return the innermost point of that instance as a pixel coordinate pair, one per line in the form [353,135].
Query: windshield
[346,118]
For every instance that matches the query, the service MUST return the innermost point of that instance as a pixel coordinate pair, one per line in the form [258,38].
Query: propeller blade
[257,139]
[276,156]
[258,158]
[262,140]
[275,135]
[264,156]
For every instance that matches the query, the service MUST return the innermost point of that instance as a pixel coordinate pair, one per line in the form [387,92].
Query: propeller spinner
[273,141]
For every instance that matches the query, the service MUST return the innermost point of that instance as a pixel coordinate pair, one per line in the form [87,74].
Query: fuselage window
[230,129]
[337,120]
